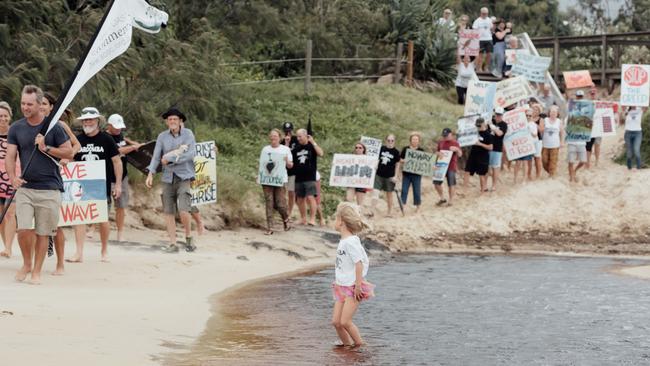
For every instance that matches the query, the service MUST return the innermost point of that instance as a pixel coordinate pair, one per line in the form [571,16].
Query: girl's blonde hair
[351,217]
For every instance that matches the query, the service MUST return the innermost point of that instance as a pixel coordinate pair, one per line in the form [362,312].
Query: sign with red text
[84,198]
[518,142]
[577,79]
[204,185]
[468,42]
[604,123]
[511,91]
[635,85]
[353,171]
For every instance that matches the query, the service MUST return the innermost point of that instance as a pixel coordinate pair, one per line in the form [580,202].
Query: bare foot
[35,280]
[105,258]
[201,229]
[22,274]
[75,259]
[120,236]
[5,254]
[59,272]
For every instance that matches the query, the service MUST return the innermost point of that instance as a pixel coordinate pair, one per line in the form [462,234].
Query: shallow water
[444,310]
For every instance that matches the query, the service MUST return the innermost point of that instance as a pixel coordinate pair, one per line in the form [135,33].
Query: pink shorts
[340,293]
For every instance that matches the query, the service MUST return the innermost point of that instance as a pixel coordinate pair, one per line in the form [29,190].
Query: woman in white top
[633,135]
[527,160]
[465,74]
[552,139]
[273,179]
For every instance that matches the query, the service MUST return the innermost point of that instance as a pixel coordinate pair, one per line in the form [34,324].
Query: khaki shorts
[123,201]
[176,195]
[38,209]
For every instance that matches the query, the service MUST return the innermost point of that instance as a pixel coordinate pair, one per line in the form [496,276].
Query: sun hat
[174,112]
[116,121]
[89,113]
[498,110]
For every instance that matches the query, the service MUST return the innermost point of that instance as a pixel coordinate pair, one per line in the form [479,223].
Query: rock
[242,257]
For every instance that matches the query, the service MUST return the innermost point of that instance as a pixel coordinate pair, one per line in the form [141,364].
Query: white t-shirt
[465,74]
[450,23]
[485,28]
[281,149]
[633,119]
[551,136]
[533,129]
[349,252]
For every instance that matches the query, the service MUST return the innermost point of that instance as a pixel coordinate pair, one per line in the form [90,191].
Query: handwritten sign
[518,142]
[204,186]
[511,91]
[6,189]
[468,42]
[511,55]
[467,133]
[442,165]
[480,98]
[635,85]
[373,146]
[84,198]
[353,171]
[580,121]
[419,162]
[532,67]
[577,79]
[272,171]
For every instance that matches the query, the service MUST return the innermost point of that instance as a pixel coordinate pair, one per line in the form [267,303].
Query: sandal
[287,227]
[441,202]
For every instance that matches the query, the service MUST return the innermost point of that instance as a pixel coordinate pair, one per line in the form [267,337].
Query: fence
[308,60]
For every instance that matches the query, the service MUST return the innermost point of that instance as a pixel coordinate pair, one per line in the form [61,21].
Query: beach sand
[142,304]
[638,271]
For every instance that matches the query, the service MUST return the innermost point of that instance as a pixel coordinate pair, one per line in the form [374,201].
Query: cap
[580,93]
[174,112]
[287,126]
[446,132]
[498,110]
[116,121]
[89,113]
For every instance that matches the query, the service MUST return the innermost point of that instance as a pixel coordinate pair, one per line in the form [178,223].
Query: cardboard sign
[467,133]
[604,123]
[533,68]
[511,55]
[635,85]
[580,120]
[419,162]
[373,146]
[468,42]
[577,79]
[442,165]
[480,98]
[204,186]
[141,158]
[272,170]
[353,171]
[511,91]
[518,142]
[84,198]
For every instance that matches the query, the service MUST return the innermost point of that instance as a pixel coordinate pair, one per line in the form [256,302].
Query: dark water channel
[442,310]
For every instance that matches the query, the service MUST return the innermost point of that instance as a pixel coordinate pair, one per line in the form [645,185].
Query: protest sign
[635,85]
[204,186]
[353,171]
[419,162]
[511,55]
[511,91]
[141,158]
[84,198]
[467,133]
[6,189]
[372,145]
[577,79]
[468,42]
[518,142]
[272,170]
[480,98]
[580,120]
[531,67]
[442,165]
[604,123]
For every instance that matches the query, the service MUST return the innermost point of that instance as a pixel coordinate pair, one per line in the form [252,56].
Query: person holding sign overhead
[275,159]
[411,179]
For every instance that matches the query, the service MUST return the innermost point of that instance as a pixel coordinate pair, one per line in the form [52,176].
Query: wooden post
[603,56]
[398,63]
[409,64]
[556,60]
[308,67]
[617,56]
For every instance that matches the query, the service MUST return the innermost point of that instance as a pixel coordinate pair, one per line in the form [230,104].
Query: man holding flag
[38,195]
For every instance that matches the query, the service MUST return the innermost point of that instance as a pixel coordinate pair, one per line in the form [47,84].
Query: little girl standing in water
[350,286]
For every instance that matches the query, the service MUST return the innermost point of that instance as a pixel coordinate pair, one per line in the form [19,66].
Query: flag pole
[57,106]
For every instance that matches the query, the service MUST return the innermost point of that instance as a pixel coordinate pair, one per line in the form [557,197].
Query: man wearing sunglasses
[385,179]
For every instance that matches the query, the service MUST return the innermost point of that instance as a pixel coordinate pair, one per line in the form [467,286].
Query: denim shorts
[495,159]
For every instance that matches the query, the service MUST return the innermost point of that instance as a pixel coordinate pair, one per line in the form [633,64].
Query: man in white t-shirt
[274,178]
[484,25]
[446,19]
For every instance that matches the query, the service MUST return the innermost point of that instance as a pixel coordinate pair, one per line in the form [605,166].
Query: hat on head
[287,126]
[116,121]
[174,112]
[446,132]
[498,110]
[89,113]
[580,93]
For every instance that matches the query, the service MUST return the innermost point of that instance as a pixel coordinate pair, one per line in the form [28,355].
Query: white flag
[113,39]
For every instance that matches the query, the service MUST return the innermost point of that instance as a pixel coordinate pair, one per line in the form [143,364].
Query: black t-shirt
[304,163]
[479,153]
[99,147]
[498,140]
[43,173]
[388,159]
[121,142]
[292,145]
